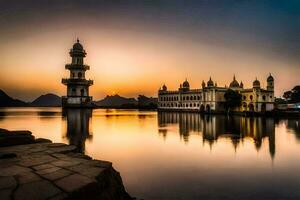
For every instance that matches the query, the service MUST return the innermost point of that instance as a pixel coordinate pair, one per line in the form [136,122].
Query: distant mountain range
[46,100]
[116,101]
[52,100]
[7,101]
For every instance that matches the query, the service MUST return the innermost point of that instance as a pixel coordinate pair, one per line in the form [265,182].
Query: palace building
[77,84]
[210,98]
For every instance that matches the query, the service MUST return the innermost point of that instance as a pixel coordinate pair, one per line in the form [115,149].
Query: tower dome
[77,50]
[234,83]
[210,83]
[203,84]
[77,46]
[256,83]
[186,84]
[241,85]
[270,83]
[164,87]
[270,78]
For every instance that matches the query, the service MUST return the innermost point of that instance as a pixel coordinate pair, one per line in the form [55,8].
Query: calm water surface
[178,155]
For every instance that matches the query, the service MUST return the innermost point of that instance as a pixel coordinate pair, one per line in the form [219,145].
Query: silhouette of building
[77,84]
[210,98]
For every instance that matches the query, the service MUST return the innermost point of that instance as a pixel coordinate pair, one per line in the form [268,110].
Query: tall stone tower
[77,84]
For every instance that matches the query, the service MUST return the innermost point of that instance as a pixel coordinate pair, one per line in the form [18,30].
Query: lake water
[178,155]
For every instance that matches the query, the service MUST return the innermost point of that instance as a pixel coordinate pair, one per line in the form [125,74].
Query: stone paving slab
[74,182]
[65,163]
[27,177]
[57,174]
[47,171]
[5,194]
[14,170]
[36,190]
[7,182]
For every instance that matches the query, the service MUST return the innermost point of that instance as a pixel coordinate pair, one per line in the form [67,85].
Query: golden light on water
[164,150]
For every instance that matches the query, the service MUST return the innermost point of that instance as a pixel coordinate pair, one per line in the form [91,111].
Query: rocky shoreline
[39,169]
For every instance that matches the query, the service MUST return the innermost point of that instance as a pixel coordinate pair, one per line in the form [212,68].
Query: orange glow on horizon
[133,64]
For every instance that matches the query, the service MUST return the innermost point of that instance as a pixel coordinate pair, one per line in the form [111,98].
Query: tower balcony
[77,101]
[76,81]
[77,66]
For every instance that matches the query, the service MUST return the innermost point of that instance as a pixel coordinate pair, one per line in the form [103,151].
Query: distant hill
[116,101]
[47,100]
[147,102]
[7,101]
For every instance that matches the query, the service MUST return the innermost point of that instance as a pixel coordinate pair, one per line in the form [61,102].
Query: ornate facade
[210,98]
[77,84]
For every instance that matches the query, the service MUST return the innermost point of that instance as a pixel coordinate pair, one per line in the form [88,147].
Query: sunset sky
[135,46]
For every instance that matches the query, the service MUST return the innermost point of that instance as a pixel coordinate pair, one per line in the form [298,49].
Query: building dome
[256,83]
[241,85]
[164,87]
[77,46]
[203,84]
[270,78]
[186,84]
[234,83]
[210,83]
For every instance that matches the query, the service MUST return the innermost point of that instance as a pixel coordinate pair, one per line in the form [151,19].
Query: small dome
[77,46]
[186,84]
[241,85]
[270,78]
[234,83]
[203,84]
[256,83]
[210,83]
[164,87]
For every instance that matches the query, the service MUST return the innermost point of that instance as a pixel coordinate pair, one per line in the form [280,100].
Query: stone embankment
[39,169]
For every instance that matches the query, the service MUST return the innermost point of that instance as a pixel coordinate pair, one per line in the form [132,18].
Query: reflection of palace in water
[78,126]
[214,127]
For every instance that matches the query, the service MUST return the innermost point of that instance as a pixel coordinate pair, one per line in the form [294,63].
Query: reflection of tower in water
[236,128]
[78,127]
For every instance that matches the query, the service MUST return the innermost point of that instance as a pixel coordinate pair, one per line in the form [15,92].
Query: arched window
[244,97]
[73,91]
[264,97]
[184,98]
[82,92]
[187,98]
[72,74]
[251,97]
[79,75]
